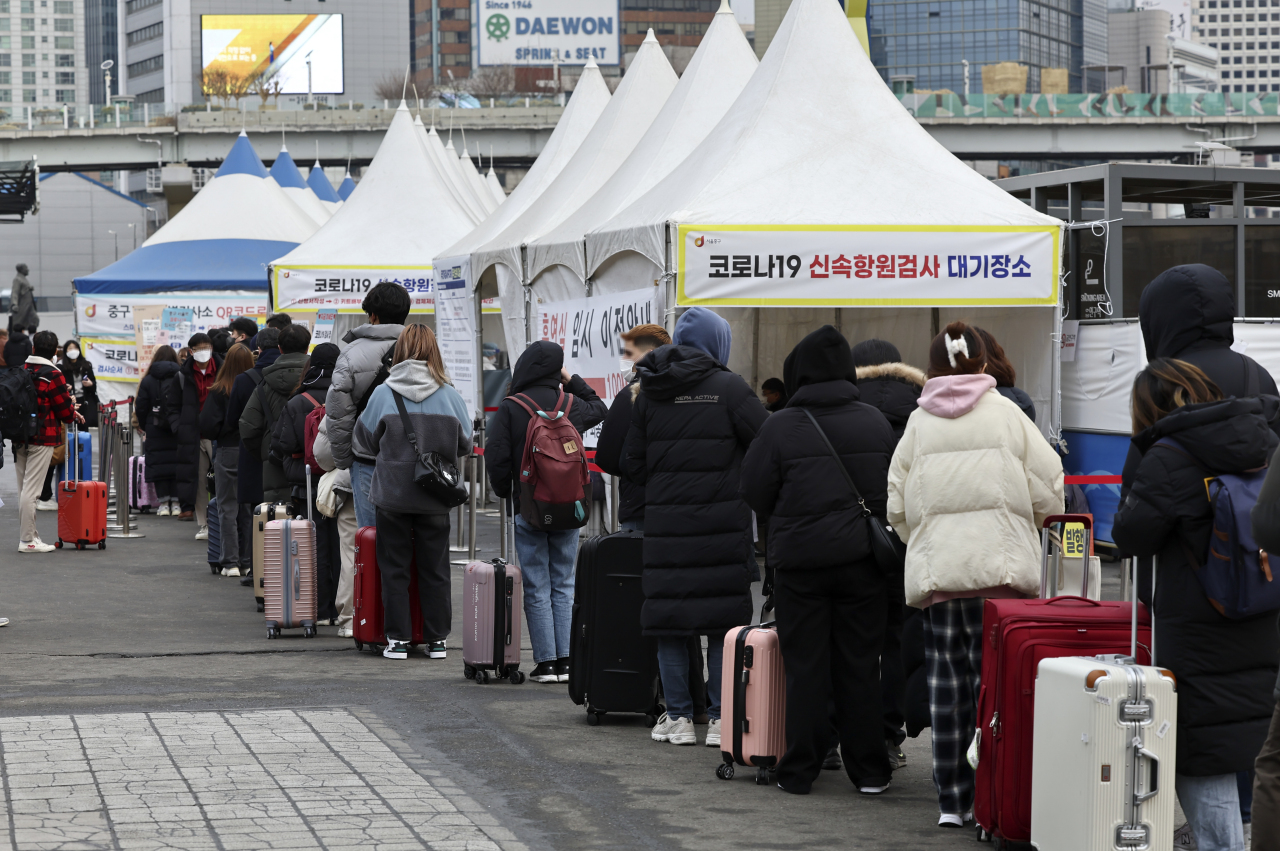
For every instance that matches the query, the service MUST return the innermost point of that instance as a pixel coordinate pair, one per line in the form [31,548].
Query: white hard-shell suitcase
[1104,754]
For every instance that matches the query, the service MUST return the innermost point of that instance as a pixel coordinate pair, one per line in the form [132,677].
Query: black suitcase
[613,668]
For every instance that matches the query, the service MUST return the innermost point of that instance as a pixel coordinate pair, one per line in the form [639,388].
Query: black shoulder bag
[889,551]
[432,472]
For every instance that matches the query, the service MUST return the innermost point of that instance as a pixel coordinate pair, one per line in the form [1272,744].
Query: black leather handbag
[889,551]
[433,472]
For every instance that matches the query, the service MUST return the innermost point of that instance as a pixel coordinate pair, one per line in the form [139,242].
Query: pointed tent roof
[590,97]
[478,187]
[714,78]
[454,159]
[640,96]
[321,186]
[286,175]
[402,215]
[816,138]
[445,165]
[346,187]
[495,186]
[223,240]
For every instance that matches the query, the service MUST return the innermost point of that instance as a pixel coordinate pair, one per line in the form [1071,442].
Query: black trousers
[893,679]
[831,626]
[407,542]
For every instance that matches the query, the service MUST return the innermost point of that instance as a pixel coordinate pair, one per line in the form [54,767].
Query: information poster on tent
[587,329]
[456,333]
[113,315]
[344,289]
[874,266]
[112,360]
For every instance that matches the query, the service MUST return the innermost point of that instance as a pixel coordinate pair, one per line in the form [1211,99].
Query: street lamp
[133,233]
[310,99]
[117,237]
[106,72]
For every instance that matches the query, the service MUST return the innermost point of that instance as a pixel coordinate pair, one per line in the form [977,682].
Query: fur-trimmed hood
[904,372]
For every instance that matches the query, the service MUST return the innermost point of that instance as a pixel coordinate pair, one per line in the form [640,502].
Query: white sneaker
[677,731]
[949,819]
[163,510]
[230,571]
[713,733]
[203,535]
[4,621]
[876,790]
[46,505]
[345,632]
[35,546]
[396,650]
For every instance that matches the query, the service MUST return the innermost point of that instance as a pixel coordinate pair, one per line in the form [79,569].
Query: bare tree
[265,86]
[213,84]
[237,87]
[392,85]
[491,81]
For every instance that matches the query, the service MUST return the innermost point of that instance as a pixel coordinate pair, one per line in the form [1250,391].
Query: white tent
[454,159]
[590,97]
[473,179]
[286,175]
[323,189]
[638,100]
[819,191]
[445,164]
[495,187]
[398,218]
[714,78]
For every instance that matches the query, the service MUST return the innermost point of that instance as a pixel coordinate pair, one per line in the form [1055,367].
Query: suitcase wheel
[725,771]
[261,607]
[469,672]
[982,835]
[651,720]
[102,545]
[482,677]
[308,632]
[593,718]
[79,545]
[58,544]
[213,568]
[517,677]
[359,645]
[762,776]
[273,632]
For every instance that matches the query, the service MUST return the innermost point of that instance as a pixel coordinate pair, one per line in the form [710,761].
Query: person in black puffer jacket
[1266,783]
[1226,669]
[894,387]
[546,558]
[830,591]
[289,444]
[234,518]
[186,398]
[160,446]
[691,424]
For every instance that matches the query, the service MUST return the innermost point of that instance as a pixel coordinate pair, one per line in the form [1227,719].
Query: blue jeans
[546,568]
[673,668]
[1212,805]
[631,525]
[361,481]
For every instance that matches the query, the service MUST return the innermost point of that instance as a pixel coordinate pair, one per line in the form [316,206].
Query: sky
[744,10]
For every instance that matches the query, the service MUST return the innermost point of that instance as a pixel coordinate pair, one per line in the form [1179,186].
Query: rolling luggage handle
[1064,519]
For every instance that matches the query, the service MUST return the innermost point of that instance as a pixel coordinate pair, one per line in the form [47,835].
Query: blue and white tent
[347,187]
[285,173]
[223,240]
[323,189]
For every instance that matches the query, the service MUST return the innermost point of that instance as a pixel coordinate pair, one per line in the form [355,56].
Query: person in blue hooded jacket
[691,423]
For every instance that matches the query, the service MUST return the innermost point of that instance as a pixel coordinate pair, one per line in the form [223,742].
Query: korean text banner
[456,335]
[343,289]
[587,329]
[300,53]
[868,265]
[112,360]
[113,315]
[539,32]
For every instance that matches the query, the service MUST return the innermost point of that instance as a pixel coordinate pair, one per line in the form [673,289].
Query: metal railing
[1037,107]
[115,439]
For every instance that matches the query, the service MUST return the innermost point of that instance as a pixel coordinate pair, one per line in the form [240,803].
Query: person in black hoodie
[691,424]
[160,444]
[186,397]
[1266,782]
[1226,669]
[830,591]
[546,558]
[289,444]
[234,526]
[248,467]
[893,387]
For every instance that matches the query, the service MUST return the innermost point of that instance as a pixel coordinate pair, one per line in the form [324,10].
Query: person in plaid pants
[953,632]
[55,406]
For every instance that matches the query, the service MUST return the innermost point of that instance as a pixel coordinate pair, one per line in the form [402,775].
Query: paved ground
[142,707]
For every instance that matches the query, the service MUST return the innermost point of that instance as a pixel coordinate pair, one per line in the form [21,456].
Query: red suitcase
[1017,634]
[82,507]
[367,626]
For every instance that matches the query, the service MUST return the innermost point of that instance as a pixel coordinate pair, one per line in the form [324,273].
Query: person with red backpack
[292,444]
[546,528]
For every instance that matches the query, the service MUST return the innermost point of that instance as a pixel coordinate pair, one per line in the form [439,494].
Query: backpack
[1235,574]
[310,427]
[17,404]
[384,371]
[554,479]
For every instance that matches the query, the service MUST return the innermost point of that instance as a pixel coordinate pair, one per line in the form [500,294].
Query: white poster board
[113,315]
[456,333]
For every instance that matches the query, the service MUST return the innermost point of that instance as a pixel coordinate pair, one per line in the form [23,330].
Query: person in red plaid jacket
[55,406]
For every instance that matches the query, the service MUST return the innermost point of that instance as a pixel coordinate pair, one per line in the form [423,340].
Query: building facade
[160,42]
[1246,34]
[42,55]
[441,39]
[101,43]
[931,39]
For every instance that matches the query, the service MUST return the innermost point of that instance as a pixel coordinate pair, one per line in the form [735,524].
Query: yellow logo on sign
[1073,540]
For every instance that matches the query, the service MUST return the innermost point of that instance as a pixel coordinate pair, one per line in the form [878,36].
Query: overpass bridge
[1027,127]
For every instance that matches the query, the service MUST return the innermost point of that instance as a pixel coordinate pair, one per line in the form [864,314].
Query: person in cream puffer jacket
[970,485]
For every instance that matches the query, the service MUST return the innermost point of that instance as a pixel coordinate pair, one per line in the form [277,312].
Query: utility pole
[117,238]
[965,63]
[310,97]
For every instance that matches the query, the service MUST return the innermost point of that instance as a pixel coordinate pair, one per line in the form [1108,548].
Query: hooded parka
[257,422]
[354,372]
[692,422]
[536,375]
[893,389]
[1226,669]
[183,407]
[288,442]
[249,469]
[161,446]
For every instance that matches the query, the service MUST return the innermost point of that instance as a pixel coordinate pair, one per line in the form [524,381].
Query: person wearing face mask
[80,379]
[185,398]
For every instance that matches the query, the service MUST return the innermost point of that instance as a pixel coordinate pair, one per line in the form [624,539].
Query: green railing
[1131,106]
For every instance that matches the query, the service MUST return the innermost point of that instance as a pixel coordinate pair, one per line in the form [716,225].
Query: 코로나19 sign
[868,265]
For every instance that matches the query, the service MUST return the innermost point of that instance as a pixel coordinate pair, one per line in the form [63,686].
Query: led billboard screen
[278,46]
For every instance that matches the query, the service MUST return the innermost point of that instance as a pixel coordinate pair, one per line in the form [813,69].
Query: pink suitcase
[142,494]
[289,581]
[753,702]
[492,600]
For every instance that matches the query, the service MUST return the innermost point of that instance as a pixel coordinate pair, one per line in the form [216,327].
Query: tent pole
[935,323]
[669,283]
[755,348]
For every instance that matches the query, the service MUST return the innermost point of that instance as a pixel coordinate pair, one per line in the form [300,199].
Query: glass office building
[928,39]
